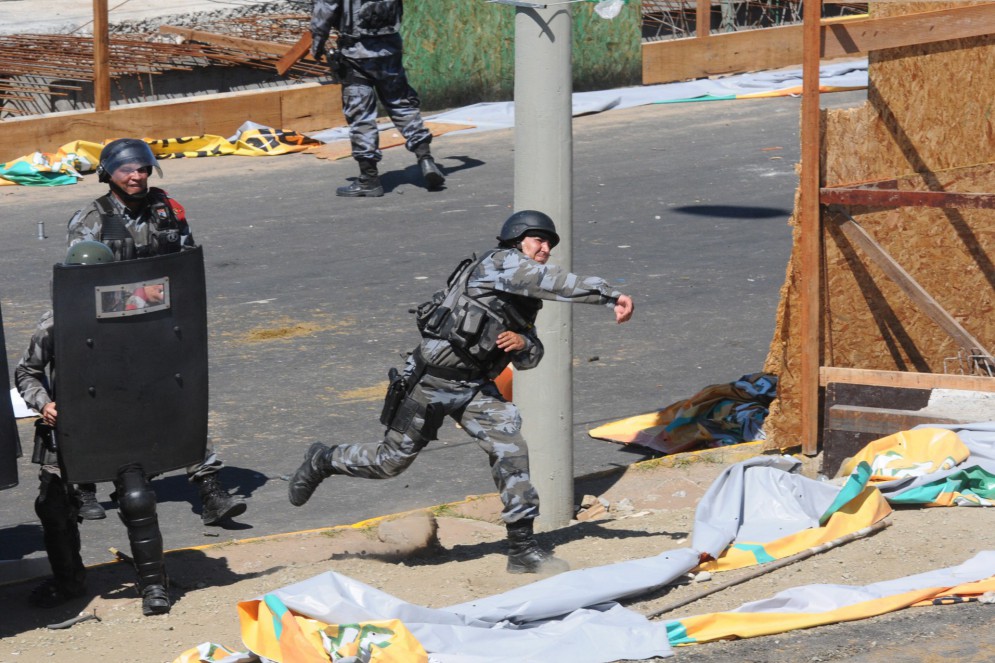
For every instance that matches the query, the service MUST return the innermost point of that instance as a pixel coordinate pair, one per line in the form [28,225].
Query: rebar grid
[52,65]
[676,19]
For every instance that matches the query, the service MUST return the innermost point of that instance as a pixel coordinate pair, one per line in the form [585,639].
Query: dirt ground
[650,508]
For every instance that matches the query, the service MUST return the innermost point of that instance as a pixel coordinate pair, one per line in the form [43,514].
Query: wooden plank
[733,52]
[101,57]
[963,338]
[293,56]
[853,37]
[305,107]
[880,421]
[237,43]
[896,398]
[894,198]
[809,265]
[831,374]
[771,48]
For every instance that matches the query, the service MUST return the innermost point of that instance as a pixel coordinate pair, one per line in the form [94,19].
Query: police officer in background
[58,504]
[367,62]
[471,331]
[135,221]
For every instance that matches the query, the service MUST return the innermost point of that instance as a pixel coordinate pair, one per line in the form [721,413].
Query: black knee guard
[57,509]
[137,508]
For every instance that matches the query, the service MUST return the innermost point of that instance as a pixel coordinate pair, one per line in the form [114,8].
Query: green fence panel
[458,52]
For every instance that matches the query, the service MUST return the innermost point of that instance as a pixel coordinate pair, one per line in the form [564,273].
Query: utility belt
[399,407]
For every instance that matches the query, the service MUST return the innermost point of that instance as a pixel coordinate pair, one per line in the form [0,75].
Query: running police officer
[471,331]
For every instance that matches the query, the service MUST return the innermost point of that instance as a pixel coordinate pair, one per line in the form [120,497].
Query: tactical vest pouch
[464,327]
[430,316]
[433,317]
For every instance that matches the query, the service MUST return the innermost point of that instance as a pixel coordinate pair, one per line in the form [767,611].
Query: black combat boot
[217,504]
[526,556]
[315,469]
[155,599]
[366,185]
[430,172]
[90,508]
[69,581]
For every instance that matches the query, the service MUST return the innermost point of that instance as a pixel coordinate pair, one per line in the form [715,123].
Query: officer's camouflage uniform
[453,386]
[370,50]
[57,504]
[144,229]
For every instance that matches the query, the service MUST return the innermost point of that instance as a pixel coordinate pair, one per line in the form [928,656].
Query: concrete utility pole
[544,182]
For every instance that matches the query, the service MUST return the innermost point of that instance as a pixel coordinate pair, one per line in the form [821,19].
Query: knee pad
[135,496]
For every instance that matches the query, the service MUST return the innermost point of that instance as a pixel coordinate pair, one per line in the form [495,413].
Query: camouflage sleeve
[512,271]
[30,373]
[324,17]
[84,225]
[531,355]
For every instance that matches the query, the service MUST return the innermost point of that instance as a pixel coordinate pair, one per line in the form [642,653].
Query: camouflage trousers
[363,81]
[482,412]
[209,465]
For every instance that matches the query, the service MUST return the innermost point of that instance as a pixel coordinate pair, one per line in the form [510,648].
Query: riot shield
[10,442]
[131,351]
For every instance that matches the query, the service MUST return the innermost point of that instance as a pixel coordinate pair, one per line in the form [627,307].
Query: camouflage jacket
[508,274]
[34,375]
[366,28]
[158,212]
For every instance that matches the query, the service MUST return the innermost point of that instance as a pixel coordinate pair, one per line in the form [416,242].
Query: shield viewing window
[118,301]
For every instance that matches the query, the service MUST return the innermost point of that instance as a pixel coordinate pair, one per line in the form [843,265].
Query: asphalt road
[682,206]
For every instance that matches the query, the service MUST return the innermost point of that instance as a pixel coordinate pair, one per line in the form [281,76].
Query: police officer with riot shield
[138,221]
[471,331]
[367,60]
[119,417]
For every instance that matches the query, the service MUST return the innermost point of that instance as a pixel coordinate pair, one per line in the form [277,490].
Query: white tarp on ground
[823,598]
[573,616]
[501,114]
[602,633]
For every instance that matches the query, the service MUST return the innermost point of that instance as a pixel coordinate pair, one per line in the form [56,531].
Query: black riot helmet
[525,221]
[125,151]
[88,252]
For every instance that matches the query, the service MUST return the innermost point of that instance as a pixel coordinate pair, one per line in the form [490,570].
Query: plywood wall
[929,122]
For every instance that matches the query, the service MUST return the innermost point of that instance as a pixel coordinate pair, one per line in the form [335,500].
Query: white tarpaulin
[574,616]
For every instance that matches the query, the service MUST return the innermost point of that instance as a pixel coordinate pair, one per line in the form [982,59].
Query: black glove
[318,47]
